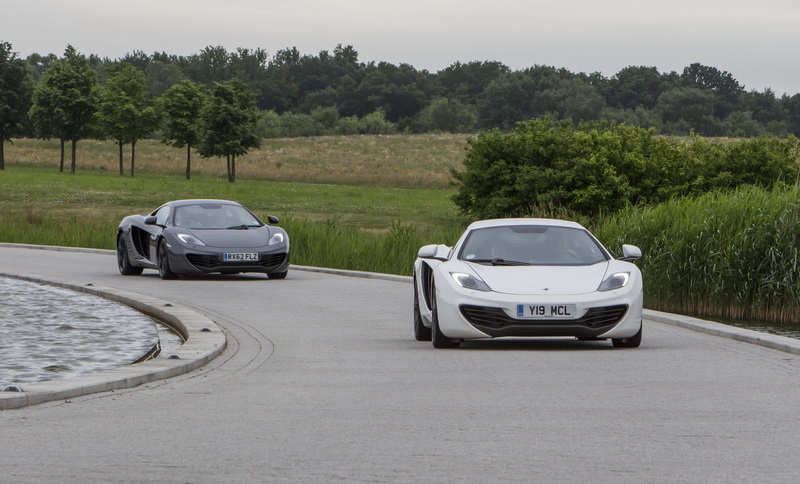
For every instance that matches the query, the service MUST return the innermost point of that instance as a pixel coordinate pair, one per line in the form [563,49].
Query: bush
[603,167]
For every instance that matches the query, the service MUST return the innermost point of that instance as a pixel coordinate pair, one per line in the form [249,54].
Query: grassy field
[396,161]
[366,182]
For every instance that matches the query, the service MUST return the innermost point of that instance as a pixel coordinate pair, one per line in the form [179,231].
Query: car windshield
[531,245]
[214,216]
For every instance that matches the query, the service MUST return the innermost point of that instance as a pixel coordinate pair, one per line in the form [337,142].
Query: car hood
[544,280]
[233,238]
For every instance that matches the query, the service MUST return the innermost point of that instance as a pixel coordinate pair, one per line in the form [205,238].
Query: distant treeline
[317,91]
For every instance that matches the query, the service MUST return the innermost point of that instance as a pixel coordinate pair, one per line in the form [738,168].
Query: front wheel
[421,332]
[278,275]
[632,342]
[163,262]
[123,262]
[438,338]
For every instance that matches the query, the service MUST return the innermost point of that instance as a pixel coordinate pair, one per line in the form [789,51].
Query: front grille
[496,322]
[211,262]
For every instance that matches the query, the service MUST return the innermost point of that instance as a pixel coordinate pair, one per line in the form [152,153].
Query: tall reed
[725,254]
[331,244]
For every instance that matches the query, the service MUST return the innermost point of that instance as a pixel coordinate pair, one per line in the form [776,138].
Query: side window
[162,215]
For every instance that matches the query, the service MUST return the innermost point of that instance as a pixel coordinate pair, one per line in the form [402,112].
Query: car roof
[176,203]
[502,222]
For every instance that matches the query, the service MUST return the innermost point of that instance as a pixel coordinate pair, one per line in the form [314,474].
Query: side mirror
[150,220]
[630,252]
[433,251]
[273,220]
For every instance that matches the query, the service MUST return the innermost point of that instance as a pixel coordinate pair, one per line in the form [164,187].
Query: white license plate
[546,311]
[240,256]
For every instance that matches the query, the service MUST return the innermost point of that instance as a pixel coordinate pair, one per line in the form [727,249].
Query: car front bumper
[204,260]
[467,314]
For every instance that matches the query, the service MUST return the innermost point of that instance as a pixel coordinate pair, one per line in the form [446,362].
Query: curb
[773,341]
[204,341]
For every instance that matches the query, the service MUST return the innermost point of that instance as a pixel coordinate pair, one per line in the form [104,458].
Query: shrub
[603,167]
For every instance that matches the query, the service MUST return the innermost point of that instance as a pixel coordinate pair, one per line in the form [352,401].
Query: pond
[48,333]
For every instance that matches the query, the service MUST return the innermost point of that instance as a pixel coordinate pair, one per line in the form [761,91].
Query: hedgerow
[602,167]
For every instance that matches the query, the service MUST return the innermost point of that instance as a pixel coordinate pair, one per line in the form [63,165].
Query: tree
[690,107]
[230,123]
[634,86]
[400,91]
[125,110]
[183,105]
[520,96]
[722,84]
[15,96]
[63,101]
[447,115]
[161,76]
[466,82]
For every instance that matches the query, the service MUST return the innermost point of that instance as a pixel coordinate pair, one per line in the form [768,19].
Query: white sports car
[527,277]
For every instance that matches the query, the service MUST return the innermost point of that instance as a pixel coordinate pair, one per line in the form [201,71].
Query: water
[50,333]
[790,330]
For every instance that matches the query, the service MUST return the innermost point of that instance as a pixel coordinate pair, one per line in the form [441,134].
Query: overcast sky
[757,41]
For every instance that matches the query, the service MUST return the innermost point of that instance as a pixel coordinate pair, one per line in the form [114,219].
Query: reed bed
[731,255]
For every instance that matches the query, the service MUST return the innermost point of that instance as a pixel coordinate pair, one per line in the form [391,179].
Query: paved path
[322,381]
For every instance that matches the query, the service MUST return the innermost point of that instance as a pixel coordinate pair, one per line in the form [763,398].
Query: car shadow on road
[530,344]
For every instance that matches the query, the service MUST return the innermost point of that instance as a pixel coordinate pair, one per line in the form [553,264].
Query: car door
[154,231]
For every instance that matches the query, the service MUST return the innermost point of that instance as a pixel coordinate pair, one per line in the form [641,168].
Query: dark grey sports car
[200,237]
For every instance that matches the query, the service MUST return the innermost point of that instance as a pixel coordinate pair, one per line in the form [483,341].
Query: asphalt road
[322,381]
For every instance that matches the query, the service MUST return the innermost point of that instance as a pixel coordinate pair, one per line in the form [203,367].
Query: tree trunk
[233,169]
[61,165]
[188,160]
[74,150]
[2,154]
[121,170]
[228,161]
[133,156]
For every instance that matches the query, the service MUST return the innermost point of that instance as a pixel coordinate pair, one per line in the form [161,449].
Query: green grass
[110,196]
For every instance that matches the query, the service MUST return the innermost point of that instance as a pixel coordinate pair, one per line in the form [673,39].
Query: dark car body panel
[142,235]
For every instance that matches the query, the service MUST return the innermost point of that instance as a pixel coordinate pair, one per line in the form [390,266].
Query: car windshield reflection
[515,245]
[214,217]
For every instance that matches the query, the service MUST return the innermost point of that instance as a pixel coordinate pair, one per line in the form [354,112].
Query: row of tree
[70,102]
[333,92]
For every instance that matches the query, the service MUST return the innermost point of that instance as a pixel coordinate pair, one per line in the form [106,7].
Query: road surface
[322,381]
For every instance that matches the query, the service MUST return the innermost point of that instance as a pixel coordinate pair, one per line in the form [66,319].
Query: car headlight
[615,281]
[276,239]
[468,281]
[189,239]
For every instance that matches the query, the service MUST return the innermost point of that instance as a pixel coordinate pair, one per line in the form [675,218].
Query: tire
[632,342]
[123,262]
[278,275]
[421,332]
[163,262]
[438,338]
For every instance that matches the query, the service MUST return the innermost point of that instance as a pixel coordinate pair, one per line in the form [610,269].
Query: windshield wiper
[242,227]
[500,262]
